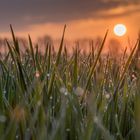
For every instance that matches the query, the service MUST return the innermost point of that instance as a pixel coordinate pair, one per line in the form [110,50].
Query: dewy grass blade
[125,69]
[16,45]
[93,67]
[75,74]
[32,50]
[56,64]
[11,51]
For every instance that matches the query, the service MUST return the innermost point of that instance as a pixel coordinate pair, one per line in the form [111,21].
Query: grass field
[57,96]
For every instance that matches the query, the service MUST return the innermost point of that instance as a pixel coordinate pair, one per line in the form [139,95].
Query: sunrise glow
[120,30]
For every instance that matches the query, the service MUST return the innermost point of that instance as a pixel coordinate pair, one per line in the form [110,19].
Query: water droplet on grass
[51,97]
[37,74]
[2,118]
[68,129]
[96,119]
[107,96]
[48,75]
[66,93]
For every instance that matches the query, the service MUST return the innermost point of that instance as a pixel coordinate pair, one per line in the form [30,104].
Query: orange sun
[120,30]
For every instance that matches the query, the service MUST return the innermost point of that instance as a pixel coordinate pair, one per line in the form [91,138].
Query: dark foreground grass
[57,96]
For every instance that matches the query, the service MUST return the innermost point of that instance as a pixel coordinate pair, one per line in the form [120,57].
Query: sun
[120,30]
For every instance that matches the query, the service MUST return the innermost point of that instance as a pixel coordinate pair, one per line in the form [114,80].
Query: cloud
[28,12]
[119,11]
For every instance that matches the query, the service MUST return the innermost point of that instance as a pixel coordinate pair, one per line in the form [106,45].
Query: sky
[84,18]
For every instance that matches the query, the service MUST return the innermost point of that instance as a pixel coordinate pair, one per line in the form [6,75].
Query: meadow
[57,96]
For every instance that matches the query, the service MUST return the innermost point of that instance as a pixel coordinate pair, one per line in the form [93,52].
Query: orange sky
[88,27]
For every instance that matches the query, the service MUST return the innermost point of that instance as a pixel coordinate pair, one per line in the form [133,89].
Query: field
[58,96]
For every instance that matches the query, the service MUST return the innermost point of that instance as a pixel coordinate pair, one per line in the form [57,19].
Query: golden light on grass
[120,30]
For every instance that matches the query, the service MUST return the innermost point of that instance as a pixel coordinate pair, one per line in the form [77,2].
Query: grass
[57,96]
